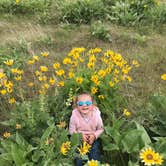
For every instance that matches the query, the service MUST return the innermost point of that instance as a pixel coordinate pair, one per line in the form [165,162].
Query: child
[86,119]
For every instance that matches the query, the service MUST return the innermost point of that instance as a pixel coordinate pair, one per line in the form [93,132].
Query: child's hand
[85,137]
[91,138]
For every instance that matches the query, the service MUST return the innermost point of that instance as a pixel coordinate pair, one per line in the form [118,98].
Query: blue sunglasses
[81,103]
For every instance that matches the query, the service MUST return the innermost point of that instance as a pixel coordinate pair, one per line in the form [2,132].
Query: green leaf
[21,141]
[110,147]
[75,139]
[46,135]
[17,155]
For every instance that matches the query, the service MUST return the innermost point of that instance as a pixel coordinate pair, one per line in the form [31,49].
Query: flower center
[149,157]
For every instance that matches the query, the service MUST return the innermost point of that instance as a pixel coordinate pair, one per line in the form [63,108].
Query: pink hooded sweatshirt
[90,125]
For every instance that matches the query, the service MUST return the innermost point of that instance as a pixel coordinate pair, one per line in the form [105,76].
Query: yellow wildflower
[65,147]
[93,163]
[67,61]
[51,81]
[30,62]
[9,62]
[94,90]
[135,63]
[30,84]
[111,84]
[101,73]
[84,149]
[18,126]
[61,124]
[148,156]
[3,92]
[36,58]
[79,80]
[71,74]
[126,112]
[61,83]
[56,65]
[12,100]
[18,78]
[163,77]
[44,54]
[43,69]
[158,159]
[90,65]
[37,73]
[60,72]
[100,96]
[6,134]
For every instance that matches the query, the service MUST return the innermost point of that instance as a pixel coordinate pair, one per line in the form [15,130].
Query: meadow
[51,50]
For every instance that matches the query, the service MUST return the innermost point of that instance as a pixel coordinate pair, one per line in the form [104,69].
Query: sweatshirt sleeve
[72,124]
[99,128]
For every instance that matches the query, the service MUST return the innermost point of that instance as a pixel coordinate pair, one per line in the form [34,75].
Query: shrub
[82,11]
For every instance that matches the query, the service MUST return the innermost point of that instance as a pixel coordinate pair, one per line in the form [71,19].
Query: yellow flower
[3,91]
[6,134]
[36,58]
[9,62]
[65,147]
[94,90]
[56,65]
[43,69]
[9,90]
[18,78]
[60,72]
[37,73]
[90,65]
[61,124]
[111,84]
[45,86]
[49,141]
[101,73]
[79,80]
[2,75]
[126,112]
[163,77]
[135,63]
[12,100]
[18,126]
[67,61]
[84,149]
[51,81]
[148,156]
[158,159]
[100,96]
[61,83]
[30,62]
[71,74]
[44,54]
[30,84]
[93,163]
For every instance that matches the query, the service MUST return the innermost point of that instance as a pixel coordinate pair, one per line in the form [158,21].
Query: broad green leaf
[17,155]
[46,135]
[75,139]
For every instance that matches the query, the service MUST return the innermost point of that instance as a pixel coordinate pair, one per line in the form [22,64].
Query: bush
[82,11]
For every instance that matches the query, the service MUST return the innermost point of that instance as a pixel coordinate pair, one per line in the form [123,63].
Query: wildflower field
[51,50]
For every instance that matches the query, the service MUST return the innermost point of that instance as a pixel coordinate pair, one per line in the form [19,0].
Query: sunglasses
[81,103]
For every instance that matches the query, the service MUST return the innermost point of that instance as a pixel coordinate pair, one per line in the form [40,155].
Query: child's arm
[72,125]
[99,128]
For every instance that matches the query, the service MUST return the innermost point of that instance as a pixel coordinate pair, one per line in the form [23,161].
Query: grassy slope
[143,44]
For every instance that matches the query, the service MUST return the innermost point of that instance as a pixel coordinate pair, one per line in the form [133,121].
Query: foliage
[23,6]
[99,31]
[82,11]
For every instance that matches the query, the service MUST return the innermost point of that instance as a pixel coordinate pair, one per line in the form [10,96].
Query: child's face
[84,104]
